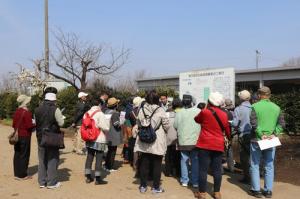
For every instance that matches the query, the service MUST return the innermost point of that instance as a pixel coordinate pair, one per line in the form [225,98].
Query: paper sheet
[266,144]
[122,117]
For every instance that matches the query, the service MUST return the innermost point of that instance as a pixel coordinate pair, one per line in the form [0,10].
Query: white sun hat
[50,96]
[216,99]
[82,94]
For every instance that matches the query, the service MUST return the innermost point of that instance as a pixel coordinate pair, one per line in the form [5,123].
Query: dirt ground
[121,183]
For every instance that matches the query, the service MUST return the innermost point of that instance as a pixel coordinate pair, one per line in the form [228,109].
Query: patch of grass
[7,122]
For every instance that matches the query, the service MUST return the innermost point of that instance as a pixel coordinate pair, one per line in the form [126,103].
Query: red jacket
[26,124]
[211,136]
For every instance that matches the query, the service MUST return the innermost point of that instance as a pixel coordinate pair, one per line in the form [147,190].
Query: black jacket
[45,118]
[81,109]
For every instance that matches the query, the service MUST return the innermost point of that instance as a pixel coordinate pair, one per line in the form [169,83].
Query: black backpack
[147,133]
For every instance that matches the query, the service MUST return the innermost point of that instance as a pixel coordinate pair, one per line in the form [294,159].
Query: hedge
[8,104]
[67,99]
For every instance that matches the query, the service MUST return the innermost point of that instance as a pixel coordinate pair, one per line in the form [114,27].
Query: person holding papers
[267,122]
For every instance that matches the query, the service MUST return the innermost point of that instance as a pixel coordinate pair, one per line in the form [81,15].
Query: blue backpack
[147,133]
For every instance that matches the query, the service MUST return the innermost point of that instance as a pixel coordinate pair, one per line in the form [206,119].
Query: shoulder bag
[226,140]
[13,138]
[52,139]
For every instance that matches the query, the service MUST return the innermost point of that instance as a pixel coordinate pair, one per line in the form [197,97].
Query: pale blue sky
[167,36]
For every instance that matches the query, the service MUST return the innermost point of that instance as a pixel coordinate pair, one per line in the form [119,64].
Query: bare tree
[77,60]
[128,83]
[8,83]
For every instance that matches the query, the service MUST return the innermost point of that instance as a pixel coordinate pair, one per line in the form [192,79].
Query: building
[278,78]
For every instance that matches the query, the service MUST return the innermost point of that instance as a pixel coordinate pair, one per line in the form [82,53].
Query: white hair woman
[22,123]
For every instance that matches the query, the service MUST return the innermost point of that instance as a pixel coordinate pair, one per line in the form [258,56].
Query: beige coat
[159,147]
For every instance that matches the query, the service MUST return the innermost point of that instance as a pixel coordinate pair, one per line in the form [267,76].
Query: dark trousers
[91,153]
[172,161]
[110,157]
[214,160]
[21,157]
[125,152]
[145,160]
[245,155]
[48,165]
[131,143]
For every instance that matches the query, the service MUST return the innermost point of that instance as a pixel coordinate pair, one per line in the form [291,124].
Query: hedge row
[67,99]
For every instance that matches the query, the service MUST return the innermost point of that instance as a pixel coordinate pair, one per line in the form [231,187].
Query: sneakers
[42,186]
[100,181]
[256,194]
[109,170]
[143,189]
[105,169]
[267,194]
[58,184]
[159,190]
[184,184]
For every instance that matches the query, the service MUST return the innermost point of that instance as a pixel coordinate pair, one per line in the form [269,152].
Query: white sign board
[268,143]
[201,83]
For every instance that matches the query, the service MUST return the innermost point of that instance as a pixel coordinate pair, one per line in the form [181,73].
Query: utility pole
[257,57]
[261,82]
[46,40]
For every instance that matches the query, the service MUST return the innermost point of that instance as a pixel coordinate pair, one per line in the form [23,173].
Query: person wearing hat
[114,135]
[241,121]
[22,121]
[81,108]
[48,116]
[267,122]
[137,101]
[228,107]
[210,143]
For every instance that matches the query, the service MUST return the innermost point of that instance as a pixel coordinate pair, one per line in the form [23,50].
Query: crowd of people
[191,138]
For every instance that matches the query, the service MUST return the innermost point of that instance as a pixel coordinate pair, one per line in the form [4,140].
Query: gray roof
[240,71]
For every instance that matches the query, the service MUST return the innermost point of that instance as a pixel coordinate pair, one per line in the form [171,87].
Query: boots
[88,178]
[200,195]
[217,195]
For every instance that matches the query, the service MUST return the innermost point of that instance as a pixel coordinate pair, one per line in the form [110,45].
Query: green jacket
[188,130]
[266,119]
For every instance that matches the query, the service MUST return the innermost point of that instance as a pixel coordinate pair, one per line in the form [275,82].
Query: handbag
[227,143]
[13,138]
[52,139]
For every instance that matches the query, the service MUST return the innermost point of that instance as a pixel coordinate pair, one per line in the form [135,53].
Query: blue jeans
[184,162]
[268,159]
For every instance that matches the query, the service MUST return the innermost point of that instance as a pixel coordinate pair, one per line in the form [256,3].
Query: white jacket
[101,122]
[159,147]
